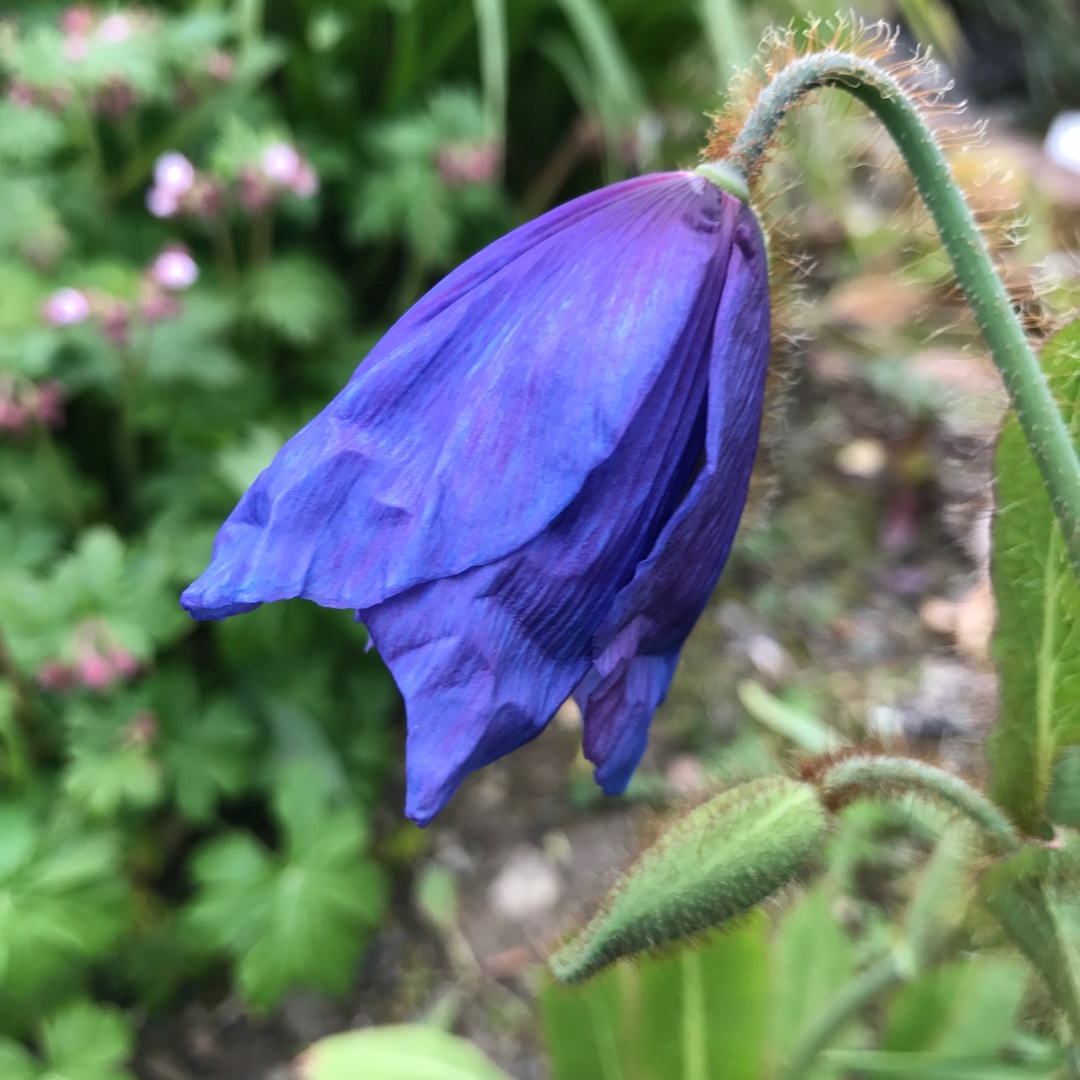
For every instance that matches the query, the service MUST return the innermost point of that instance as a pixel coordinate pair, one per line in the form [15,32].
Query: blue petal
[476,685]
[652,616]
[484,658]
[475,422]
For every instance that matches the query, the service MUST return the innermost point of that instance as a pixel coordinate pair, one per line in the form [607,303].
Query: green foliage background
[202,812]
[200,802]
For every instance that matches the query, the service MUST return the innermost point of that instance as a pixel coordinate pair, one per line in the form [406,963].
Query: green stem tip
[867,774]
[1039,416]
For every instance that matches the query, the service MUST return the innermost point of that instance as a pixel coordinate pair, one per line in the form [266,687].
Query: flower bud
[174,269]
[174,173]
[94,671]
[66,307]
[306,182]
[281,164]
[114,28]
[161,202]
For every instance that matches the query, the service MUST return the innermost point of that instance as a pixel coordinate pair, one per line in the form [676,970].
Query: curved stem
[1039,416]
[841,1011]
[868,774]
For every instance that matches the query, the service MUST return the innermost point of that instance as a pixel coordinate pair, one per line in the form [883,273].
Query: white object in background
[1063,141]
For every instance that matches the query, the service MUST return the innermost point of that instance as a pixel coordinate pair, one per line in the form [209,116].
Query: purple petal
[477,419]
[485,658]
[476,685]
[652,616]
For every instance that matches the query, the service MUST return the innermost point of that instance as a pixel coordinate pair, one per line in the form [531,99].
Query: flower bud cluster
[94,661]
[86,31]
[179,188]
[171,272]
[23,405]
[461,164]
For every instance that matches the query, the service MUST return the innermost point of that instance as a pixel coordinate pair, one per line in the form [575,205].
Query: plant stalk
[870,774]
[841,1011]
[1038,413]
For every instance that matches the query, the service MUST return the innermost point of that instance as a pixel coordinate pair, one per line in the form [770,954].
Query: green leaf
[814,959]
[1037,639]
[28,135]
[62,897]
[192,349]
[931,1067]
[87,1042]
[803,728]
[16,1063]
[695,1013]
[966,1009]
[110,768]
[1063,799]
[722,859]
[397,1052]
[298,298]
[210,757]
[298,917]
[616,87]
[1039,921]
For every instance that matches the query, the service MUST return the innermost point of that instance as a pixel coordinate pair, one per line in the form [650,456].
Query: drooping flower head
[531,485]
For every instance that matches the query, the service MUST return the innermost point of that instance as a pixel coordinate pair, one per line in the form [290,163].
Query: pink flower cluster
[173,271]
[94,661]
[179,187]
[23,405]
[464,163]
[85,30]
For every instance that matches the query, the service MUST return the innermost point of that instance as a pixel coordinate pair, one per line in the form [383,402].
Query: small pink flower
[281,164]
[157,306]
[13,416]
[78,19]
[174,269]
[94,671]
[161,202]
[123,663]
[306,183]
[54,675]
[464,163]
[21,94]
[115,28]
[220,65]
[174,173]
[49,403]
[66,307]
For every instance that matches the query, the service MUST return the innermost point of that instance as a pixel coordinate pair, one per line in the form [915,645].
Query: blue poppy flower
[531,485]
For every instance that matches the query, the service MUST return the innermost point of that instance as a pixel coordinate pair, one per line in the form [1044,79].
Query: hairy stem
[1039,416]
[868,774]
[840,1012]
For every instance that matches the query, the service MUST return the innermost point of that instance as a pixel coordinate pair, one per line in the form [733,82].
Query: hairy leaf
[1037,639]
[699,1011]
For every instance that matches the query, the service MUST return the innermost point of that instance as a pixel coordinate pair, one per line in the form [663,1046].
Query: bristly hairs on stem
[958,137]
[885,89]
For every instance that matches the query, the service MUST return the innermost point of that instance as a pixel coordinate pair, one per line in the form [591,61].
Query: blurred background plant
[211,211]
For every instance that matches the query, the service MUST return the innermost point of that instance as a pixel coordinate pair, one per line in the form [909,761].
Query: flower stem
[868,774]
[1038,413]
[851,999]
